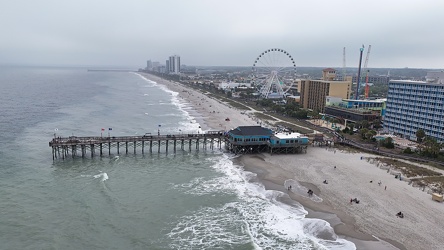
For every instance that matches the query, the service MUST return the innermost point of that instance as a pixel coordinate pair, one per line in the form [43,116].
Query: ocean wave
[152,83]
[297,188]
[256,217]
[181,104]
[103,176]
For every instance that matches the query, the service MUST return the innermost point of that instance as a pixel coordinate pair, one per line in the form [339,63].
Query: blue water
[187,200]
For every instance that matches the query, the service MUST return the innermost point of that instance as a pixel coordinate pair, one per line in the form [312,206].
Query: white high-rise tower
[174,64]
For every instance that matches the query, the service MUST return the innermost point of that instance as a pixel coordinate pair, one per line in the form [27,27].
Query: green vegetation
[289,109]
[387,142]
[264,116]
[408,151]
[236,104]
[295,128]
[420,134]
[435,182]
[430,147]
[408,169]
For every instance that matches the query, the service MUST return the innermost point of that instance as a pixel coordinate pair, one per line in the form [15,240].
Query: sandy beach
[210,113]
[371,224]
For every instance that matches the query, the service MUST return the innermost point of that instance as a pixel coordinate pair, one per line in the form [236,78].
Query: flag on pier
[110,128]
[103,129]
[160,125]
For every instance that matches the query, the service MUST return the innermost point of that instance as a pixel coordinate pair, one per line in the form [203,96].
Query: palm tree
[420,134]
[432,146]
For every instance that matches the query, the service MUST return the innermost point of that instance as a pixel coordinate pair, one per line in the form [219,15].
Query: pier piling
[61,145]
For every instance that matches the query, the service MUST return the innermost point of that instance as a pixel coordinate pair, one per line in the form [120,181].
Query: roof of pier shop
[251,130]
[292,135]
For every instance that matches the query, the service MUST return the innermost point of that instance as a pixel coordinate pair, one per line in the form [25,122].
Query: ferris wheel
[274,72]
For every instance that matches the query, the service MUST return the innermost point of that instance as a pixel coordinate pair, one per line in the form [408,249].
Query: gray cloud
[127,33]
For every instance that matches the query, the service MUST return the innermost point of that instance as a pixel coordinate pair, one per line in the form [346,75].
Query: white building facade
[413,105]
[174,64]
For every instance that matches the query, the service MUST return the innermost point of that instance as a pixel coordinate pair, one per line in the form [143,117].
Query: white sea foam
[256,217]
[297,188]
[181,104]
[151,83]
[103,176]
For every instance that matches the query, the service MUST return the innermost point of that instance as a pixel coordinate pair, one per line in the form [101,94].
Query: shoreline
[344,225]
[372,224]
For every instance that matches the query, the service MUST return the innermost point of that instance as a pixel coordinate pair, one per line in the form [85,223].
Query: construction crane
[367,88]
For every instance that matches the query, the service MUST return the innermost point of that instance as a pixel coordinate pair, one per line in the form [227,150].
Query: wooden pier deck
[63,147]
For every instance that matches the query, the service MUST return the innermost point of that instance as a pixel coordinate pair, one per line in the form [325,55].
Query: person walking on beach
[385,188]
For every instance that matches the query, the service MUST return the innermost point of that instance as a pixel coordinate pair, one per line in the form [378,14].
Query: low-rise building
[355,110]
[256,139]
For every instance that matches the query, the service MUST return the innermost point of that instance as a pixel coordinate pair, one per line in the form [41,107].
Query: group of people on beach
[354,200]
[400,214]
[310,192]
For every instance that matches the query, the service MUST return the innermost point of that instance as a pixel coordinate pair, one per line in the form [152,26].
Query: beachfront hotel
[413,105]
[313,93]
[173,64]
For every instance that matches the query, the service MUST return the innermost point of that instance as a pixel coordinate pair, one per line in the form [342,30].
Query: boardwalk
[63,147]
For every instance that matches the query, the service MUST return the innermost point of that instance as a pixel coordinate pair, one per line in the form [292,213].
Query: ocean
[186,200]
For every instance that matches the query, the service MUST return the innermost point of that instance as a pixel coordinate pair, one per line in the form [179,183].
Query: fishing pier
[63,147]
[241,140]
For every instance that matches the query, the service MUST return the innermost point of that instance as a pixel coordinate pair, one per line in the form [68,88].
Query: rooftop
[289,135]
[250,130]
[366,100]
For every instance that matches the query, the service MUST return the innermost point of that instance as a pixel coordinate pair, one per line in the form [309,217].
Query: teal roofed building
[257,139]
[288,143]
[248,139]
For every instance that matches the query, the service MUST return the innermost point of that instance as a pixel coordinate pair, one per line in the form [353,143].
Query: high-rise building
[414,105]
[167,66]
[149,65]
[174,64]
[314,92]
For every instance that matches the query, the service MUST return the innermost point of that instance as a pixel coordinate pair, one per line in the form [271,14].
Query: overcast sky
[403,33]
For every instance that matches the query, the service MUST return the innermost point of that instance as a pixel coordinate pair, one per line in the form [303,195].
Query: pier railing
[63,147]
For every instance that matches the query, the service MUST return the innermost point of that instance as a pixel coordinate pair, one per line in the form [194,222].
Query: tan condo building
[314,92]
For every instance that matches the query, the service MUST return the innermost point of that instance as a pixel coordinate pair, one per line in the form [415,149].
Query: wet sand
[274,178]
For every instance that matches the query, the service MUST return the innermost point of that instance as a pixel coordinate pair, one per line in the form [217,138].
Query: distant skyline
[113,33]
